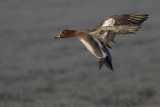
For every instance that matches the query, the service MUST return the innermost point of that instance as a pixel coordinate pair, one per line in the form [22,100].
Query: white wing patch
[108,22]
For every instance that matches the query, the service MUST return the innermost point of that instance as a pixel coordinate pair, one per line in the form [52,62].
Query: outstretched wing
[125,19]
[119,24]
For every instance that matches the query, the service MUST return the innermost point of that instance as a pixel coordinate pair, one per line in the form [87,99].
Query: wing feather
[127,19]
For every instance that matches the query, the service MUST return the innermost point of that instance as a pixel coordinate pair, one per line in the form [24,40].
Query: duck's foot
[100,63]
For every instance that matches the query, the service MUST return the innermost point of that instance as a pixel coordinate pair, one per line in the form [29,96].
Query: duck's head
[66,34]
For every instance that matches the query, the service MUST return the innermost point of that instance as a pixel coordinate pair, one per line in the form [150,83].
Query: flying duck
[101,38]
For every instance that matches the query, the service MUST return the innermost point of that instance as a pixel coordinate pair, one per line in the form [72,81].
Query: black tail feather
[108,62]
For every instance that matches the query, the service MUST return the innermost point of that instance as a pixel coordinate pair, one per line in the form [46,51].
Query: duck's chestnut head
[66,33]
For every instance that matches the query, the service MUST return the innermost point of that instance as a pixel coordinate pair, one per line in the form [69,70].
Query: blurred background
[38,71]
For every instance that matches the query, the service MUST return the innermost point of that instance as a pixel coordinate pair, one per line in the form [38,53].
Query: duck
[101,38]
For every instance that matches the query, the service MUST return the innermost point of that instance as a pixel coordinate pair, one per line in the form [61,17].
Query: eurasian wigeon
[101,37]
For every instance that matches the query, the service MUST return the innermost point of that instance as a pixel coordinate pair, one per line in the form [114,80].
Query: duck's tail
[107,61]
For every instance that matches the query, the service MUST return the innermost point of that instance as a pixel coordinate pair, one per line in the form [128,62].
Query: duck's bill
[57,37]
